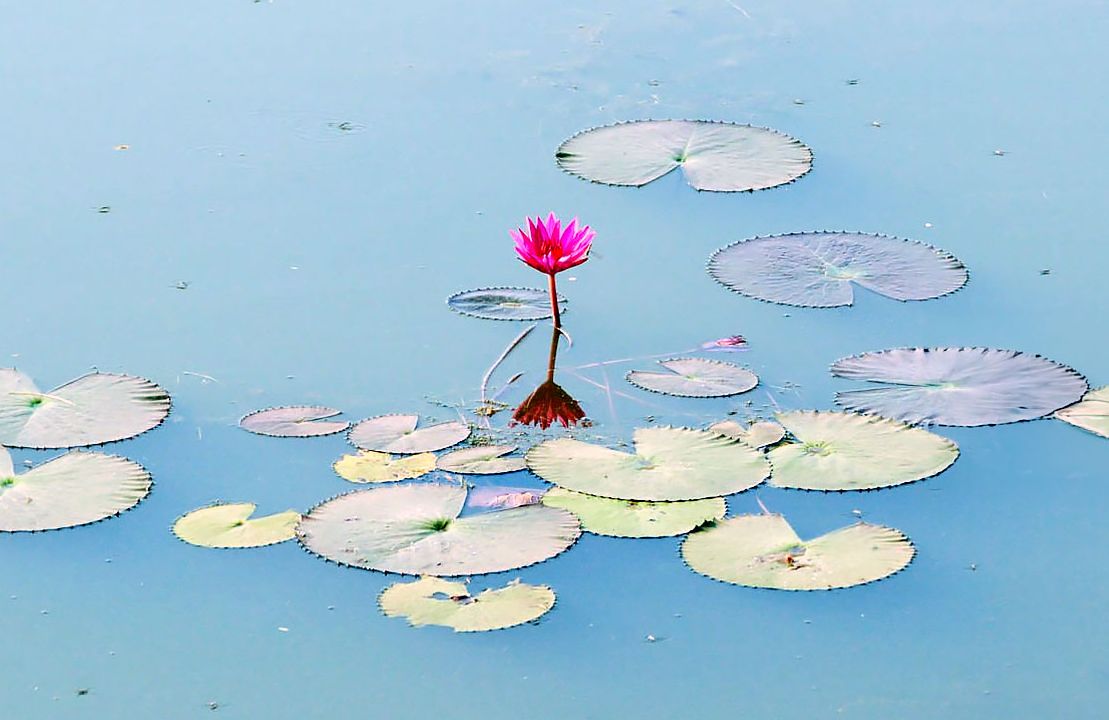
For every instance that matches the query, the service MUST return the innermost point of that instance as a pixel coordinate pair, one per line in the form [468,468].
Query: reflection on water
[549,403]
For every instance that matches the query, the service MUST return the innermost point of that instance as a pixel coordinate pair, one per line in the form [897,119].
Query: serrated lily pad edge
[627,378]
[562,302]
[239,423]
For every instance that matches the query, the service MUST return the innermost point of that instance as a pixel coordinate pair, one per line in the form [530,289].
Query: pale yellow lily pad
[434,601]
[368,466]
[229,526]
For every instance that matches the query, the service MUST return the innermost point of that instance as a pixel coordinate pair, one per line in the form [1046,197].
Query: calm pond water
[305,183]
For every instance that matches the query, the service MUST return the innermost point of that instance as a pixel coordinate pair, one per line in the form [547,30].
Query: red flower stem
[554,302]
[552,357]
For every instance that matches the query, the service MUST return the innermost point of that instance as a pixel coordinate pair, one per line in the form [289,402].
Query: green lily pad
[434,601]
[1091,413]
[718,156]
[398,434]
[634,518]
[669,464]
[482,460]
[93,409]
[505,303]
[845,451]
[229,526]
[74,489]
[759,435]
[373,467]
[294,421]
[417,530]
[764,551]
[695,377]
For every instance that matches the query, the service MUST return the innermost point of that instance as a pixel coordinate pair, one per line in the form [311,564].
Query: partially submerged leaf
[398,434]
[505,303]
[93,409]
[1091,413]
[417,530]
[295,421]
[434,601]
[669,464]
[845,451]
[719,156]
[481,460]
[759,435]
[818,269]
[368,466]
[763,551]
[634,518]
[958,386]
[74,489]
[230,526]
[695,377]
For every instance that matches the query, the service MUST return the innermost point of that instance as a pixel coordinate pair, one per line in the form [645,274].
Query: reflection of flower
[550,248]
[549,404]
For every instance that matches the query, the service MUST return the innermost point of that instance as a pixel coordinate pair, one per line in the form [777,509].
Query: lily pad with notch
[294,421]
[435,601]
[819,269]
[368,466]
[419,529]
[229,525]
[1091,413]
[716,156]
[398,434]
[482,460]
[695,378]
[505,303]
[758,435]
[635,518]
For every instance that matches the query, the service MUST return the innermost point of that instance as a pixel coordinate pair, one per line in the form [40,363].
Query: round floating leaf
[74,489]
[398,434]
[817,269]
[296,421]
[93,409]
[669,464]
[759,435]
[1092,413]
[764,551]
[482,460]
[417,530]
[718,156]
[845,451]
[373,467]
[695,377]
[505,303]
[633,518]
[958,386]
[434,601]
[228,526]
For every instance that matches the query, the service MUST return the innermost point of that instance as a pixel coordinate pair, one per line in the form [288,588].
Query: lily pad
[398,434]
[759,435]
[505,303]
[695,377]
[958,386]
[434,601]
[669,464]
[633,518]
[417,530]
[93,409]
[764,551]
[719,156]
[1092,413]
[295,421]
[482,460]
[74,489]
[374,467]
[229,526]
[845,451]
[818,269]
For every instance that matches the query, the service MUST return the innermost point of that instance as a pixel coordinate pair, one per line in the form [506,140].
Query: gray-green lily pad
[635,518]
[481,460]
[93,409]
[759,435]
[435,601]
[966,387]
[74,489]
[669,464]
[418,529]
[717,156]
[229,525]
[818,269]
[845,451]
[294,421]
[695,378]
[505,303]
[764,551]
[1091,413]
[398,434]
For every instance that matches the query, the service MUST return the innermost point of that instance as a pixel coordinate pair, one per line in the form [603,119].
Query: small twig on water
[493,368]
[632,359]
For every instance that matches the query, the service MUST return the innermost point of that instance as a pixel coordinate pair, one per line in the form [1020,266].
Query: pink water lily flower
[550,248]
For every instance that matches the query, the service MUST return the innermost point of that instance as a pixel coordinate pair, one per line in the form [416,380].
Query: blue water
[318,177]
